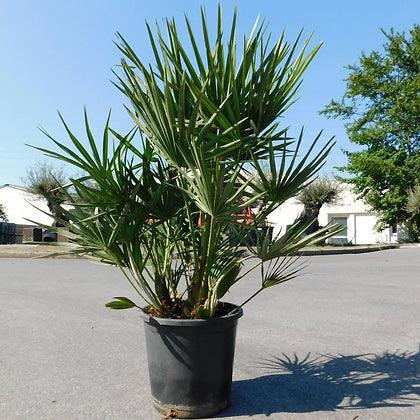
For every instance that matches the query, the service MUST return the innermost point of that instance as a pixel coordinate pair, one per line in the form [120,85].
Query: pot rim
[153,320]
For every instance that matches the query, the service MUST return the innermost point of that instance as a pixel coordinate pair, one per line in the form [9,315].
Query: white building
[354,214]
[21,206]
[351,212]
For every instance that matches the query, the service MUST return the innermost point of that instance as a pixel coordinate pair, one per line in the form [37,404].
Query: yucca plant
[322,191]
[159,202]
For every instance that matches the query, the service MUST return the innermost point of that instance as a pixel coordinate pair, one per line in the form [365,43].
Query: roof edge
[16,187]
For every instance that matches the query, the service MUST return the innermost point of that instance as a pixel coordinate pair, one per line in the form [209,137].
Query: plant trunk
[310,213]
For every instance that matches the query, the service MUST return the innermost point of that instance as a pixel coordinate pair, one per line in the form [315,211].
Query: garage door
[365,229]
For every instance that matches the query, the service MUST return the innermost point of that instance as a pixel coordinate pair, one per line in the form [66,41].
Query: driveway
[340,342]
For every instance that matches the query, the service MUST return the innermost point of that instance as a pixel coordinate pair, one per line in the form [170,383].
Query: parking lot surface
[339,342]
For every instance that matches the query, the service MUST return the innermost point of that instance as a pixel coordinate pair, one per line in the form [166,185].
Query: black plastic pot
[190,364]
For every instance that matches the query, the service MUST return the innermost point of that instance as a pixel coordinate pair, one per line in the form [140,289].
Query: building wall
[360,219]
[20,206]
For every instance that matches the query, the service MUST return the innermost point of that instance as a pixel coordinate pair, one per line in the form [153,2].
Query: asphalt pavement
[339,342]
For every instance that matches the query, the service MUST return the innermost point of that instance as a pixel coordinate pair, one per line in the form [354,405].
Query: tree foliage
[46,181]
[381,107]
[320,192]
[413,202]
[3,215]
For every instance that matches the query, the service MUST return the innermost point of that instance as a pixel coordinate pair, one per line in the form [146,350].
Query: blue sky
[58,55]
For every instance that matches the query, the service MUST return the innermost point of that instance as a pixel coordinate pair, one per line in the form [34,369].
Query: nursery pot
[190,363]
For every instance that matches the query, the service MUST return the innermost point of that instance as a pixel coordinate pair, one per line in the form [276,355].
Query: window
[394,229]
[341,237]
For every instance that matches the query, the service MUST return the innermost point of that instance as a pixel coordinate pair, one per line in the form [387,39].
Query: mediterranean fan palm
[161,202]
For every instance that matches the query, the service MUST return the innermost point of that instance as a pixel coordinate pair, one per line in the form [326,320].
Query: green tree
[413,205]
[46,181]
[3,215]
[320,192]
[413,202]
[381,107]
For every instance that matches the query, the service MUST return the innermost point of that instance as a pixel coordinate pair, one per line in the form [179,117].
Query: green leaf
[121,303]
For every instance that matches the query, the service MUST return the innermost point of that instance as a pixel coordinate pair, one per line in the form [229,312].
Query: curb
[32,251]
[347,250]
[305,252]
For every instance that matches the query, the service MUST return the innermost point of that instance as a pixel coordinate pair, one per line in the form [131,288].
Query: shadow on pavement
[328,383]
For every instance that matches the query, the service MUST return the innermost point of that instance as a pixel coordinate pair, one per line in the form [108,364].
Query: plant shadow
[328,383]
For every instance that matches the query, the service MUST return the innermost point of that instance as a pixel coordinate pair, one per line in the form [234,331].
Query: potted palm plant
[160,201]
